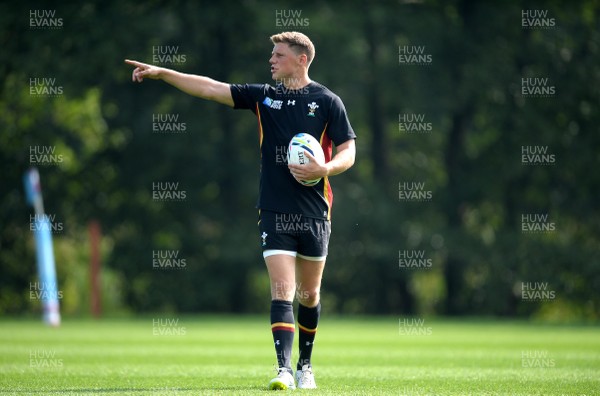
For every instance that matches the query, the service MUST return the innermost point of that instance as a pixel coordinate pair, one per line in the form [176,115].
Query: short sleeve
[339,128]
[245,96]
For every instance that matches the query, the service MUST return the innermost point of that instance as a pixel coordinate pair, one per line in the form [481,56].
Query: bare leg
[282,273]
[309,281]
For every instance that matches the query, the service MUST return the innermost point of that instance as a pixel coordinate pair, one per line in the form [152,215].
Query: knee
[282,290]
[308,297]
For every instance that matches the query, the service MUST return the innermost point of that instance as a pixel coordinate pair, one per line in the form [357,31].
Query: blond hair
[298,42]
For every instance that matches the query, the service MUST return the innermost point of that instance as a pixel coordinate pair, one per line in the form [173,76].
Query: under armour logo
[308,343]
[291,102]
[277,342]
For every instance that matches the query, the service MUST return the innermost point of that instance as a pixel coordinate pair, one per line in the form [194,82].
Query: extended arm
[200,86]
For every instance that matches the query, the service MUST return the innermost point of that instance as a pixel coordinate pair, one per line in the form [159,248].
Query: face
[284,62]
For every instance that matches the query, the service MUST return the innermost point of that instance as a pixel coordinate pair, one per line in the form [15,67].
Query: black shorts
[294,235]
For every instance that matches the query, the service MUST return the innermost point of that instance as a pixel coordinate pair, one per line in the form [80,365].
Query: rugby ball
[298,145]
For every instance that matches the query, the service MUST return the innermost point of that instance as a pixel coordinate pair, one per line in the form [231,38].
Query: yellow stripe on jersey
[327,192]
[260,128]
[323,134]
[327,195]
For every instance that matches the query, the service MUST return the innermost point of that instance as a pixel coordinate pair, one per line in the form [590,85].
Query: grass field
[234,356]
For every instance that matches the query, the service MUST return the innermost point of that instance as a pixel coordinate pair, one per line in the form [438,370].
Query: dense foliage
[477,125]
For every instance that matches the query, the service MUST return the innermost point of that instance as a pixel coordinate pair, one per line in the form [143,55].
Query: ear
[303,59]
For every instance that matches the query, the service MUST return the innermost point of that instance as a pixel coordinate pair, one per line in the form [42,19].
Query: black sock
[308,318]
[283,327]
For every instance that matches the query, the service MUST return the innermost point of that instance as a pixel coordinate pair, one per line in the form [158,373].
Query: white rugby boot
[305,378]
[283,381]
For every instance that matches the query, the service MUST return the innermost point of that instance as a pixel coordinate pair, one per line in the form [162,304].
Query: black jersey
[282,113]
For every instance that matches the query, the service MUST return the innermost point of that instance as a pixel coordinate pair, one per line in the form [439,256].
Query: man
[294,220]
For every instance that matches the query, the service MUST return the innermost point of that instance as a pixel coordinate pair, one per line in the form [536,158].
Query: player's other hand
[143,70]
[312,170]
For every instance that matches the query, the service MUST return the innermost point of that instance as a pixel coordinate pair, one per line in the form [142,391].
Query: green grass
[234,355]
